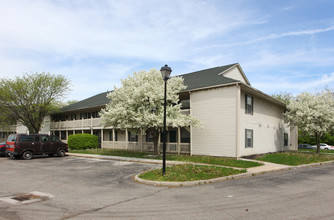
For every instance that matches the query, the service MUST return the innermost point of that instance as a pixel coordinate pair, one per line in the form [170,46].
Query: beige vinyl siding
[267,125]
[235,73]
[216,110]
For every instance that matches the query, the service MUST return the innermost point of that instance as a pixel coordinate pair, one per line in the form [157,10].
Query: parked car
[3,149]
[25,146]
[305,146]
[324,147]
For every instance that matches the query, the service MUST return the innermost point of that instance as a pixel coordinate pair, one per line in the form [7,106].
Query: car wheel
[27,155]
[61,153]
[326,148]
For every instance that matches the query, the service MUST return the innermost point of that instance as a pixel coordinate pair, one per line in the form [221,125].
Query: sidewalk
[265,168]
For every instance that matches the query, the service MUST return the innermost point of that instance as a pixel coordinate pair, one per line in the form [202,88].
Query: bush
[83,141]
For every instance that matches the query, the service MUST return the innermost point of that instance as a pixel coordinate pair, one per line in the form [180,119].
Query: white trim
[240,69]
[238,106]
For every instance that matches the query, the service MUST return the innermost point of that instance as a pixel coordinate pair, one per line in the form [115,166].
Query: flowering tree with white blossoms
[313,114]
[139,105]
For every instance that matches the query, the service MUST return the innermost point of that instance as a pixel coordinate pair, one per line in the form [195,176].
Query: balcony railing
[83,123]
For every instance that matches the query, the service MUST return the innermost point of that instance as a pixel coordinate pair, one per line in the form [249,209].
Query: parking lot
[80,188]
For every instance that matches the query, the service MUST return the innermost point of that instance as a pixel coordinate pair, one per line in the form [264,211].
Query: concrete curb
[191,183]
[275,168]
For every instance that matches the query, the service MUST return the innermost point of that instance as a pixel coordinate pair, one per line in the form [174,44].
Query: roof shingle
[195,80]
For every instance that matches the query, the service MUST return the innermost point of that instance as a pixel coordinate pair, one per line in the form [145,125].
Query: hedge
[83,141]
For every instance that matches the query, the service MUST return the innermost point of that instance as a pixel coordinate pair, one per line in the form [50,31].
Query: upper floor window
[95,114]
[249,104]
[73,117]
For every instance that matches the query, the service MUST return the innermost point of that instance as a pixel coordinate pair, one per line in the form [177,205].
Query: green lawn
[195,159]
[295,158]
[189,172]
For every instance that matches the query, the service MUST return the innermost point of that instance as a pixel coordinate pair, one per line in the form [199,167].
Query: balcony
[76,124]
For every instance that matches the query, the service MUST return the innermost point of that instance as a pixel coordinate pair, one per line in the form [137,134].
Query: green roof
[94,101]
[195,80]
[207,78]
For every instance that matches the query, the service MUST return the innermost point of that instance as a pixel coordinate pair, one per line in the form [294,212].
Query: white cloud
[96,43]
[272,36]
[280,84]
[113,28]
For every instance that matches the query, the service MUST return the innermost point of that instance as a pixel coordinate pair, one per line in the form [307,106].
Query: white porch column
[159,143]
[101,138]
[178,140]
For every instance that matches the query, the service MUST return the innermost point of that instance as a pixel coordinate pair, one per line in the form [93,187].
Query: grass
[195,159]
[295,158]
[189,172]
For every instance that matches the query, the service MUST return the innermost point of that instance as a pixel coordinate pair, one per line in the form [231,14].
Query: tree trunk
[155,134]
[318,143]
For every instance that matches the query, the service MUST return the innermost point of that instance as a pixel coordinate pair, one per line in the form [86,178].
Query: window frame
[132,137]
[246,138]
[286,139]
[249,109]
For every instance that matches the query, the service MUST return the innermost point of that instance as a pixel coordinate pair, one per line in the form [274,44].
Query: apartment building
[237,119]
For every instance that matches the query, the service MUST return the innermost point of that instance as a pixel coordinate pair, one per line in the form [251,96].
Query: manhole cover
[25,197]
[28,198]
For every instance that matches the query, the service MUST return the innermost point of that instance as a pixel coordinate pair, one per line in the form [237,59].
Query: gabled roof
[196,80]
[207,78]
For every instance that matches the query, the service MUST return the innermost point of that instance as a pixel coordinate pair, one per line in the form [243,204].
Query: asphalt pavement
[90,188]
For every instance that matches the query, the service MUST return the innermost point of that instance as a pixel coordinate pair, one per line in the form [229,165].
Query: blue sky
[282,46]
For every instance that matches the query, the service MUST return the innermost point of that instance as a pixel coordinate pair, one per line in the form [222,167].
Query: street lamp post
[165,72]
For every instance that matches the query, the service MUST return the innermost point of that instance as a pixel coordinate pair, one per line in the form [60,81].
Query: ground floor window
[286,139]
[110,136]
[63,135]
[185,135]
[132,137]
[248,138]
[172,136]
[149,137]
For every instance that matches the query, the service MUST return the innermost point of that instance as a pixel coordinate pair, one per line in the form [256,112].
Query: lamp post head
[165,72]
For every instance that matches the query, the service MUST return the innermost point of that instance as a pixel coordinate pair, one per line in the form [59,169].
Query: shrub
[82,141]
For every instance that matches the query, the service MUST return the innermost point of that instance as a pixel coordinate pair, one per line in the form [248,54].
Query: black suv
[24,145]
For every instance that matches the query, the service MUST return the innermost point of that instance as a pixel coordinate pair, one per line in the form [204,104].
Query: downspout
[238,94]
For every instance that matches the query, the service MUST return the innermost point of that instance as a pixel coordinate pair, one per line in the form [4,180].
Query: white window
[249,104]
[248,138]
